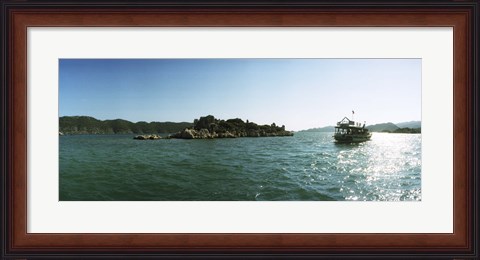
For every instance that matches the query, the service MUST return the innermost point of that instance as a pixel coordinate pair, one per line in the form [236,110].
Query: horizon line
[222,119]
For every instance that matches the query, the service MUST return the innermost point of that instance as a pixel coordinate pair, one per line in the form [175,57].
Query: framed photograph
[251,129]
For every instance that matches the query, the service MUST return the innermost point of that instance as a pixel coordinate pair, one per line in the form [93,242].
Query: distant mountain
[412,127]
[385,127]
[90,125]
[410,124]
[404,127]
[320,129]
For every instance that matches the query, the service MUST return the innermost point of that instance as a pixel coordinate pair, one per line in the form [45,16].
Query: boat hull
[344,138]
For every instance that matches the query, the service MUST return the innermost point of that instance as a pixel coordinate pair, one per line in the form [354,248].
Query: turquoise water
[305,167]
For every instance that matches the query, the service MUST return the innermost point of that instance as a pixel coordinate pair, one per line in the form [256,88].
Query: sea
[308,166]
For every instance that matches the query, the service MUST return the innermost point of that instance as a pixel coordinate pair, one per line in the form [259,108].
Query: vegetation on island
[210,127]
[88,125]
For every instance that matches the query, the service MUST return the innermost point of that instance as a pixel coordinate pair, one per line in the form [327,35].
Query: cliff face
[210,127]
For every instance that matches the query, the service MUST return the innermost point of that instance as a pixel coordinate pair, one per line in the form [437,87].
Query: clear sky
[297,93]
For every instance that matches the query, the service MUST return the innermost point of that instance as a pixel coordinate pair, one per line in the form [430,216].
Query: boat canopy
[347,123]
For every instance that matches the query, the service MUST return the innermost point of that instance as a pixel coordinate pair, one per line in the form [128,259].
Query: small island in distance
[209,127]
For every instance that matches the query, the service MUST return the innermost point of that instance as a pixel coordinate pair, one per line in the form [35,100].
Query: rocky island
[147,137]
[209,127]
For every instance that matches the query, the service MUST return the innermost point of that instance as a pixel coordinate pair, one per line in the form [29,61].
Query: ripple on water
[308,166]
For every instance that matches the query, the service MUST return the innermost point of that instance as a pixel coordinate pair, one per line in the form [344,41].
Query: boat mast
[353,113]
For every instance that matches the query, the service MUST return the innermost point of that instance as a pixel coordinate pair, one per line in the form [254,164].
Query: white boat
[348,131]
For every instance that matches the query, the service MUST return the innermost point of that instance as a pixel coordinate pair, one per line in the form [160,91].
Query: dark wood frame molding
[17,16]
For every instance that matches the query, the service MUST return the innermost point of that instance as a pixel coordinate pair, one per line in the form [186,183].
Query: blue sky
[297,93]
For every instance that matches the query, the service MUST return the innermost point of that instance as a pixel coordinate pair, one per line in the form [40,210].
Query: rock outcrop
[147,137]
[208,127]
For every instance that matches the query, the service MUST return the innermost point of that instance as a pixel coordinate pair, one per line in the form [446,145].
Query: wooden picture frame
[18,16]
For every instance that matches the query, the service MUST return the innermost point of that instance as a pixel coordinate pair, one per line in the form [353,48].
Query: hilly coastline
[206,127]
[413,127]
[71,125]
